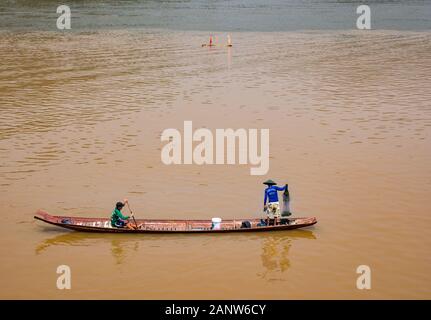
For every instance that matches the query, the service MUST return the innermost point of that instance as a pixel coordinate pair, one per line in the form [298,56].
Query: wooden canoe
[168,226]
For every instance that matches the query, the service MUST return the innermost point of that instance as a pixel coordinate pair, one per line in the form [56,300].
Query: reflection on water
[275,253]
[121,246]
[68,239]
[119,250]
[274,246]
[229,58]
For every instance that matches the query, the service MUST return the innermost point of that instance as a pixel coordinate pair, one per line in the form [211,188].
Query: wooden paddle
[131,213]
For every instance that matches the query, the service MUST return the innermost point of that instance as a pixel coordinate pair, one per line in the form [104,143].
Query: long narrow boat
[169,226]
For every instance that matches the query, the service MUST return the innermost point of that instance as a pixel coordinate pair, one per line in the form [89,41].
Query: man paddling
[272,209]
[118,220]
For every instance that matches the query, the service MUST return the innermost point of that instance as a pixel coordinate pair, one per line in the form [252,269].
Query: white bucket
[216,223]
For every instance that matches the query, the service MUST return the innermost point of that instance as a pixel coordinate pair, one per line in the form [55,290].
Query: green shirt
[116,216]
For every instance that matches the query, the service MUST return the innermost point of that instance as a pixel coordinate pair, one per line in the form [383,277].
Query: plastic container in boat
[216,223]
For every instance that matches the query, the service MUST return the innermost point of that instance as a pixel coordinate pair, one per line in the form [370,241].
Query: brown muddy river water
[349,114]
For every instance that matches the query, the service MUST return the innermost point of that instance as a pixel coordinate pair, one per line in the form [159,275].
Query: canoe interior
[167,225]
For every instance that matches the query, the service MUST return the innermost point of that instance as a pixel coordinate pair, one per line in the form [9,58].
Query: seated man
[117,218]
[272,209]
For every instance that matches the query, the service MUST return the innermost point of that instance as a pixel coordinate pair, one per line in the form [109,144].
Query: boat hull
[103,225]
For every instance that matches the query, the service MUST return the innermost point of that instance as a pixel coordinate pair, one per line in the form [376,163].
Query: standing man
[272,209]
